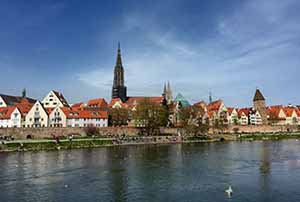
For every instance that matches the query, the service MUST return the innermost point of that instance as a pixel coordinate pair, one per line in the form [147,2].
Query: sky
[228,48]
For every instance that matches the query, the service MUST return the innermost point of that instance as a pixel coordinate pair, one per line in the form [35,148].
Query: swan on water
[229,191]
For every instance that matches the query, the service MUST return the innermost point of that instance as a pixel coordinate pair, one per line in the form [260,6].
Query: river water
[257,171]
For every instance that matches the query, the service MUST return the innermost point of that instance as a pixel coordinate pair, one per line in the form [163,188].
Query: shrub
[91,130]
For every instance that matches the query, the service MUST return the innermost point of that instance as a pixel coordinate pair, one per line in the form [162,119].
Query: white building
[37,116]
[5,116]
[54,99]
[58,117]
[86,118]
[232,116]
[255,118]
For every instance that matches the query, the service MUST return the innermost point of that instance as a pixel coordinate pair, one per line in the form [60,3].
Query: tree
[191,119]
[150,116]
[118,116]
[219,124]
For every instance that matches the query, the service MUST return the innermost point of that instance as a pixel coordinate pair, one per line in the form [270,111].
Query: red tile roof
[230,110]
[289,111]
[24,106]
[132,100]
[13,100]
[5,112]
[274,110]
[201,104]
[76,105]
[214,106]
[100,103]
[297,112]
[75,113]
[245,111]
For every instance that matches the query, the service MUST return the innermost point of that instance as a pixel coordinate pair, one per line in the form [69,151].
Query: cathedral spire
[119,89]
[119,58]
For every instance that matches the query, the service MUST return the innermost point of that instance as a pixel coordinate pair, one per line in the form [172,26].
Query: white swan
[229,191]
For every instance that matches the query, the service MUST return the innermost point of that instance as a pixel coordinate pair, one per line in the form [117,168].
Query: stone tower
[167,94]
[119,90]
[259,104]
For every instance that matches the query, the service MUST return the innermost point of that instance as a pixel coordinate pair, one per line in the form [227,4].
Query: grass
[269,136]
[51,145]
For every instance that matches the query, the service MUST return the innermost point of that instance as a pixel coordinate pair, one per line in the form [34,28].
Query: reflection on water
[257,171]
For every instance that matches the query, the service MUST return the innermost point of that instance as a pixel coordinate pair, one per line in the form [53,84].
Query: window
[54,103]
[50,100]
[46,103]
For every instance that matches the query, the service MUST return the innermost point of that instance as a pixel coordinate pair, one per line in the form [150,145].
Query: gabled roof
[115,100]
[5,112]
[85,113]
[12,100]
[298,112]
[258,96]
[230,110]
[214,106]
[289,111]
[99,103]
[245,111]
[274,110]
[61,98]
[78,106]
[24,106]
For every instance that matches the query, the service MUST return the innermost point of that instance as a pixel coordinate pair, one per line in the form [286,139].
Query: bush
[90,131]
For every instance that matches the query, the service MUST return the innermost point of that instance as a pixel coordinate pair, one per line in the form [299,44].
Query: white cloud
[255,39]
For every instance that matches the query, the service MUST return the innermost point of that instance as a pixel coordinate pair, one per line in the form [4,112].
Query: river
[257,171]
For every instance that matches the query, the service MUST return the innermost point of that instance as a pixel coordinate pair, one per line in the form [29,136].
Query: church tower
[167,93]
[259,104]
[119,90]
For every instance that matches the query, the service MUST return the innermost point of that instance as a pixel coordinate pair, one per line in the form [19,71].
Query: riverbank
[63,144]
[268,136]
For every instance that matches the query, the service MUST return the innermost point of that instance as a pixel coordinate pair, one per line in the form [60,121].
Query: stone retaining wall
[262,129]
[40,133]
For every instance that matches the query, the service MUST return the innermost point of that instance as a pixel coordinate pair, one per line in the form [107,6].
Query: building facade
[37,116]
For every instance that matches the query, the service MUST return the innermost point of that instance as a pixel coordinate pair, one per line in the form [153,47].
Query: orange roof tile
[24,106]
[244,111]
[132,100]
[289,111]
[230,110]
[214,106]
[5,112]
[85,113]
[100,103]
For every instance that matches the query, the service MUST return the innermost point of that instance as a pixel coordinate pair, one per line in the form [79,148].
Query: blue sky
[226,47]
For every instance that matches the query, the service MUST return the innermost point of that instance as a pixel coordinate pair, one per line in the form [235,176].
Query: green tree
[150,116]
[118,116]
[191,119]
